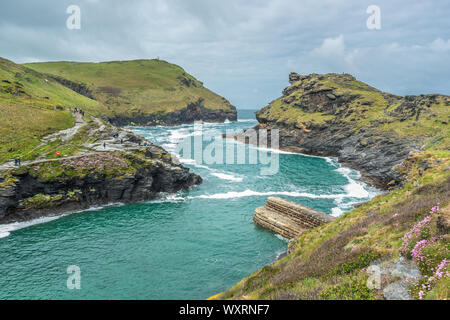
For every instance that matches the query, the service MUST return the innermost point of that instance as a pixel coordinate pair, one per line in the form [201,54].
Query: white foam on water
[225,176]
[354,189]
[279,151]
[6,229]
[336,212]
[279,236]
[247,120]
[251,193]
[176,197]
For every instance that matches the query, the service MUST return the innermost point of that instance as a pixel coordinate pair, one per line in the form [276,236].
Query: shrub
[356,289]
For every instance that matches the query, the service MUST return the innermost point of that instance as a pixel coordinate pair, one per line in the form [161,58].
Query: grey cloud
[244,49]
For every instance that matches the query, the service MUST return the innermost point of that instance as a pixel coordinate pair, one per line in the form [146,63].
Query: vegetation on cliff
[328,98]
[36,100]
[32,106]
[133,89]
[71,159]
[406,228]
[330,262]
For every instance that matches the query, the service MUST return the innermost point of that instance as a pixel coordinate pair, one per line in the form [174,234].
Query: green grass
[33,104]
[31,107]
[139,86]
[368,107]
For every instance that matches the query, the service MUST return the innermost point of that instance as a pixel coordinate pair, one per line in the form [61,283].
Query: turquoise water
[190,245]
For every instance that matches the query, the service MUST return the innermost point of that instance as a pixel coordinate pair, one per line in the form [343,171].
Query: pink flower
[421,293]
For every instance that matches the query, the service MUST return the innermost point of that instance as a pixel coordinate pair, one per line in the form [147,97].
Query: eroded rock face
[194,111]
[147,183]
[75,86]
[375,156]
[376,153]
[65,194]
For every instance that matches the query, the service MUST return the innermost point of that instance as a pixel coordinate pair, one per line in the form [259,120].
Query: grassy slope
[26,115]
[128,87]
[328,262]
[369,107]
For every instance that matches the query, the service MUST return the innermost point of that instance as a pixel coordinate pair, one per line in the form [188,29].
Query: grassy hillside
[330,262]
[36,99]
[358,104]
[140,86]
[32,106]
[411,220]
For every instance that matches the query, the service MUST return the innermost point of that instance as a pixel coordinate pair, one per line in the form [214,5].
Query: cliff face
[336,115]
[92,163]
[194,111]
[52,187]
[31,196]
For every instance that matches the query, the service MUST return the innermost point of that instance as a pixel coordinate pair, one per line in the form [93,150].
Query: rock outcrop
[369,130]
[115,166]
[63,195]
[194,111]
[78,87]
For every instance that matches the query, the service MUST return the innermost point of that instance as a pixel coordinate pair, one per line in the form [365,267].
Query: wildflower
[421,293]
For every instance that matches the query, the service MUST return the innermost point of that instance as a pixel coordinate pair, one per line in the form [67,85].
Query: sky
[244,50]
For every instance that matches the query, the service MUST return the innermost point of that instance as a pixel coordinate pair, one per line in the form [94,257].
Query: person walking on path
[104,145]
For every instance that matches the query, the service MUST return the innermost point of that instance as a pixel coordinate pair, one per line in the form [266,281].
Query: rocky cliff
[101,164]
[395,246]
[194,111]
[29,195]
[372,131]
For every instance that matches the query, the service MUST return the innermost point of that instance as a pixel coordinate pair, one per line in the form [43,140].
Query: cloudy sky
[244,49]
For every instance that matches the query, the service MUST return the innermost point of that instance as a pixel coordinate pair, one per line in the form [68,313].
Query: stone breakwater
[288,218]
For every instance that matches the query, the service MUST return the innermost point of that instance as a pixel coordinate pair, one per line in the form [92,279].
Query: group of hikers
[17,161]
[76,110]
